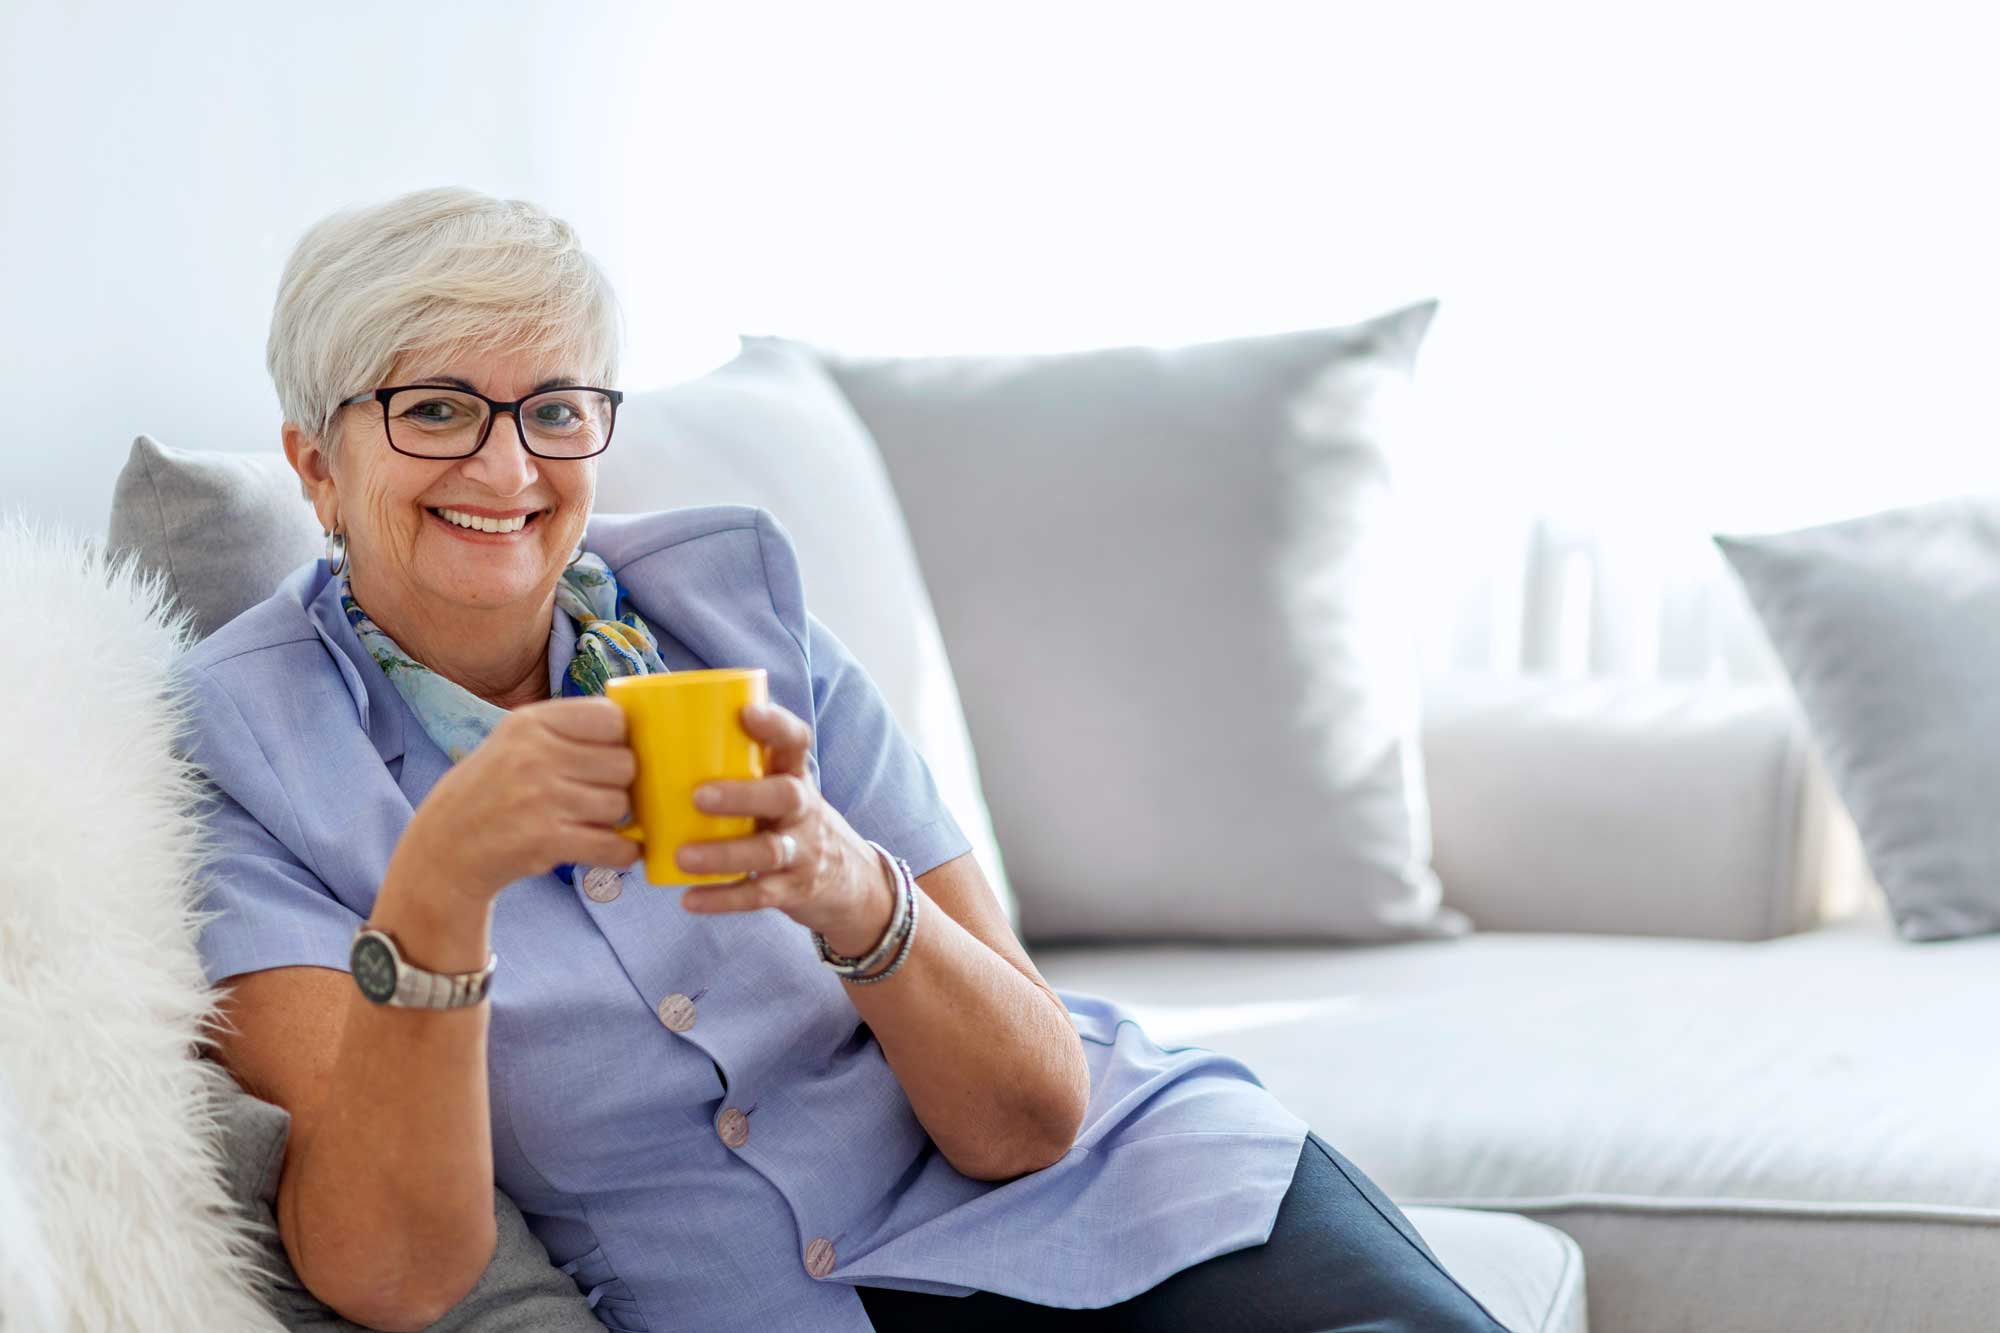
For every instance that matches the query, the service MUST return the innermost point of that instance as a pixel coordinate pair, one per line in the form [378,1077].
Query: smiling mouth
[476,525]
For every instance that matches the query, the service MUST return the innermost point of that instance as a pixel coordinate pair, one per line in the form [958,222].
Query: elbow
[1043,1133]
[1058,1120]
[413,1301]
[422,1310]
[1018,1156]
[1042,1154]
[1064,1119]
[388,1317]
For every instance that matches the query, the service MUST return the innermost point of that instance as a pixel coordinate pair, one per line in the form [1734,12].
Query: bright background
[1703,267]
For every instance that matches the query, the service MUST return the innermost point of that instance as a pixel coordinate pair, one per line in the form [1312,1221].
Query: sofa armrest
[1633,807]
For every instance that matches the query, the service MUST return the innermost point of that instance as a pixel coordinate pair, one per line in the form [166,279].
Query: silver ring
[791,850]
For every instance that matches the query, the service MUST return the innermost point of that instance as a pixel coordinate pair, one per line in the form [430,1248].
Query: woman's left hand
[835,883]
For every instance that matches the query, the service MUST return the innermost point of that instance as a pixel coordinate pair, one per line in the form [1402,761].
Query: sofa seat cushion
[1528,1275]
[1821,1104]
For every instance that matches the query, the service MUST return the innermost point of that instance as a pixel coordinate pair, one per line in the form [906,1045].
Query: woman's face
[403,548]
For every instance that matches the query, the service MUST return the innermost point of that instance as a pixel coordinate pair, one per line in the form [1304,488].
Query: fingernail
[707,795]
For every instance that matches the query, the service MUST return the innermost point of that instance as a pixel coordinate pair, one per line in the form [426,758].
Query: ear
[315,470]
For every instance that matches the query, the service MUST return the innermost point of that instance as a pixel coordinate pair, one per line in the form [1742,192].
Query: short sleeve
[868,770]
[260,905]
[269,910]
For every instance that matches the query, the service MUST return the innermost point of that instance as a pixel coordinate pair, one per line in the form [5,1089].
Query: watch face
[374,968]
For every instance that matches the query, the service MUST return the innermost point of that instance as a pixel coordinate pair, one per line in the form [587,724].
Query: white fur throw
[113,1212]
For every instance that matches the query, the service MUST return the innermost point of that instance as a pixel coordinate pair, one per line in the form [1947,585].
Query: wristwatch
[384,977]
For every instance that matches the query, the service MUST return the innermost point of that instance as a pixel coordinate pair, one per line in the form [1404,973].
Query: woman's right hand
[544,788]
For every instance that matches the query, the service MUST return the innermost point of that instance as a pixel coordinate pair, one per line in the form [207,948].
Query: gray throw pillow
[223,528]
[1889,627]
[521,1291]
[1169,583]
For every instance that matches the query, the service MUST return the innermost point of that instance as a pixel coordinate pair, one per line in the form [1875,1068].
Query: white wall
[162,160]
[1706,266]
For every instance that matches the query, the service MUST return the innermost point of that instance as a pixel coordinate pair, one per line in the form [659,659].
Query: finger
[591,718]
[762,852]
[774,723]
[784,797]
[782,731]
[747,896]
[598,765]
[590,803]
[590,844]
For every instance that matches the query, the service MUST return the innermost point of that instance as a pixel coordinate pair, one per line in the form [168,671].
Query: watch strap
[417,988]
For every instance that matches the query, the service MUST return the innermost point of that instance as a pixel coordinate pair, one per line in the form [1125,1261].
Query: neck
[500,653]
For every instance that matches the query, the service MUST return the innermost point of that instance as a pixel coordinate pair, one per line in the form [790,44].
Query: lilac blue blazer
[606,1119]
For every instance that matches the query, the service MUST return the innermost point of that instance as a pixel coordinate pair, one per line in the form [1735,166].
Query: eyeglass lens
[441,423]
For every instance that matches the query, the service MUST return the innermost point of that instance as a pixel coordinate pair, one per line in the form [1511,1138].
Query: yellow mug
[686,728]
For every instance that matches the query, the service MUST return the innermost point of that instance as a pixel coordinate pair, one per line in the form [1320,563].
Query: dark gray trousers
[1341,1258]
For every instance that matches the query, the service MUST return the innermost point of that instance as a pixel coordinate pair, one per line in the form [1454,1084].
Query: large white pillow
[769,428]
[1169,582]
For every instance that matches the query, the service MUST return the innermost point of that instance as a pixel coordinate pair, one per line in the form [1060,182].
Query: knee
[1444,1307]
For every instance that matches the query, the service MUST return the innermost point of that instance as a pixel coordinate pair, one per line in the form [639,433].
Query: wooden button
[734,1127]
[819,1256]
[677,1012]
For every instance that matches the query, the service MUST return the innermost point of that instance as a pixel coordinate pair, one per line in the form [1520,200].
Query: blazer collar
[380,707]
[382,711]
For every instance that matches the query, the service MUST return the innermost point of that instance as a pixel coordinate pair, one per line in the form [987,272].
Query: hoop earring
[336,550]
[575,556]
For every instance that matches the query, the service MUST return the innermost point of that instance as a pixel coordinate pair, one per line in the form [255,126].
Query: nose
[504,465]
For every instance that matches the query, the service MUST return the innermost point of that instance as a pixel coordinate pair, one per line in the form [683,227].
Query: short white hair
[444,272]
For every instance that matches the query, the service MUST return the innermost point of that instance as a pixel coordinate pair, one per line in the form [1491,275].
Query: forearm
[990,1060]
[388,1212]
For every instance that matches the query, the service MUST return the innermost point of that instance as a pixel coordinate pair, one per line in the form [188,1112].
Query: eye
[557,414]
[434,412]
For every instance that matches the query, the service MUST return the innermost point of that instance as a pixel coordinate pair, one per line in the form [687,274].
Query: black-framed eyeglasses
[565,421]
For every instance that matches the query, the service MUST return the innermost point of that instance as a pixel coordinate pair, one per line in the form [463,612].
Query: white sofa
[1684,1052]
[1685,1033]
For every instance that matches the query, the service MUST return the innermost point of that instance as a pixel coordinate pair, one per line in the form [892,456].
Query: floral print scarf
[611,641]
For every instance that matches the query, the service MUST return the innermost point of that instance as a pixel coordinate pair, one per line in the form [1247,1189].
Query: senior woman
[831,1094]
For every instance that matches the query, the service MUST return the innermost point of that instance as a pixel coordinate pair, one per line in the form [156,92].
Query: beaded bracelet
[901,929]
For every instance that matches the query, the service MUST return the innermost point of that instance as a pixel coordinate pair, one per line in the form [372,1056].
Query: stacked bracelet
[901,930]
[846,966]
[909,933]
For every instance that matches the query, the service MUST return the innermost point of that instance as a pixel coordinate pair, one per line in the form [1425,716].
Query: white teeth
[483,524]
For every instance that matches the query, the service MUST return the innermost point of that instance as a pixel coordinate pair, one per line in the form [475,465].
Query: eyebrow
[468,386]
